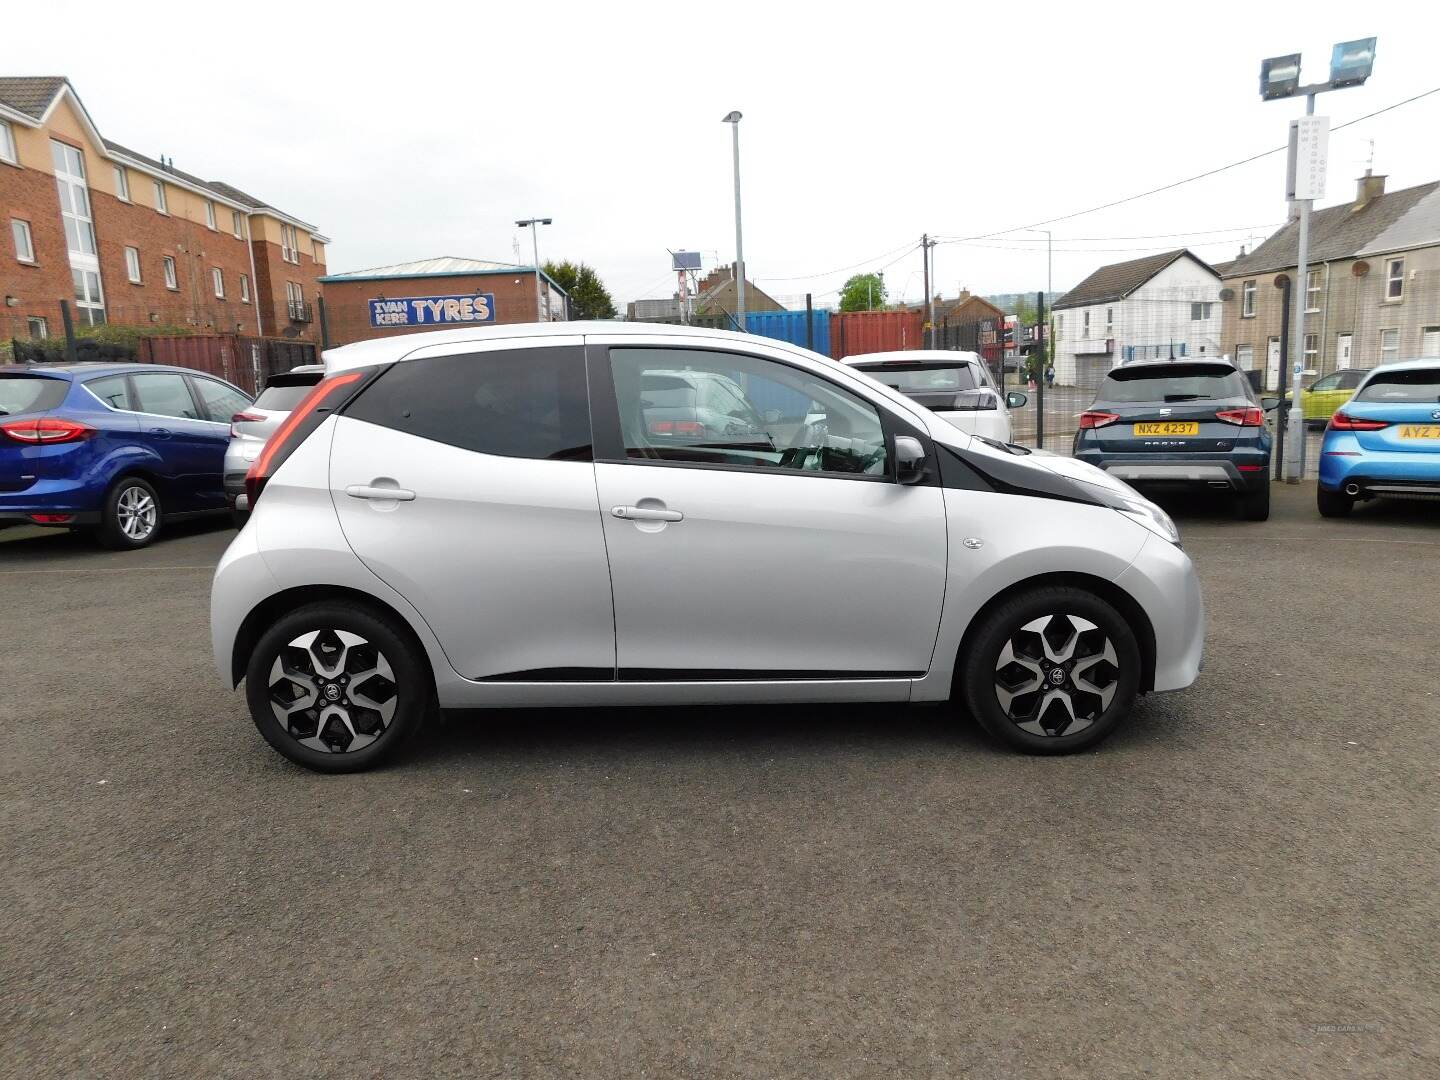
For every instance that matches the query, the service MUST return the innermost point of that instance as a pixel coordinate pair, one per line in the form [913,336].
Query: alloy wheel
[1056,675]
[136,513]
[332,691]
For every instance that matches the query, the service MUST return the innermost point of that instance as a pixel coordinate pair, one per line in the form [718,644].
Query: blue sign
[433,310]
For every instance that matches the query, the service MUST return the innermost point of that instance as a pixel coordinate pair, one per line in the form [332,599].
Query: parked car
[955,386]
[1184,425]
[257,422]
[487,517]
[1320,399]
[1385,441]
[115,448]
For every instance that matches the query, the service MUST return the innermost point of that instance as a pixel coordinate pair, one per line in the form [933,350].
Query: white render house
[1155,308]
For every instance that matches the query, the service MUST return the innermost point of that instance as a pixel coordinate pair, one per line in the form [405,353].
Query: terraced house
[1371,290]
[126,238]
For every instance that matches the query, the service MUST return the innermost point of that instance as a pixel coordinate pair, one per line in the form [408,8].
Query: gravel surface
[1242,882]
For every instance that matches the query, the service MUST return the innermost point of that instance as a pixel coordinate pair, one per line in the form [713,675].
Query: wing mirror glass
[909,459]
[973,401]
[1269,404]
[1016,400]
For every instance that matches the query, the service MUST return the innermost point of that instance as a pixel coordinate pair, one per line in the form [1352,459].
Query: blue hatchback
[118,448]
[1385,441]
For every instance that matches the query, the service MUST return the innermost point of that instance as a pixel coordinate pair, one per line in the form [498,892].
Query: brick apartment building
[129,239]
[388,300]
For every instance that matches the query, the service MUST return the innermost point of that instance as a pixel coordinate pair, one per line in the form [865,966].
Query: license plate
[1169,427]
[1420,431]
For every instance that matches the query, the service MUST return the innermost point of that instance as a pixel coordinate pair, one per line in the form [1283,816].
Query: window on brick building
[122,184]
[289,244]
[38,327]
[132,264]
[244,289]
[1395,279]
[170,280]
[160,203]
[209,214]
[237,224]
[218,278]
[1248,292]
[7,143]
[24,243]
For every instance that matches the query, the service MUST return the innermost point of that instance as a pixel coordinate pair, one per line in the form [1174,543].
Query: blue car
[1385,441]
[117,448]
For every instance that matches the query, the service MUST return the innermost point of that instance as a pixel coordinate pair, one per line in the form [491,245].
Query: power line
[1237,229]
[908,246]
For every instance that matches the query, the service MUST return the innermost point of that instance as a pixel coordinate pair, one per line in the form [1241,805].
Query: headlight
[1143,512]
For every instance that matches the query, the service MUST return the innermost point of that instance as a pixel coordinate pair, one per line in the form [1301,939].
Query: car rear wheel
[1255,505]
[1333,504]
[336,687]
[1052,671]
[132,515]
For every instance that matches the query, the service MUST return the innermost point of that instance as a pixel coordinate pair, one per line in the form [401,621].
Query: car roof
[88,368]
[1188,360]
[914,356]
[1406,365]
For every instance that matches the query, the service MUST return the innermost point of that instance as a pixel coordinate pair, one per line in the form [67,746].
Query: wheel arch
[263,614]
[1108,591]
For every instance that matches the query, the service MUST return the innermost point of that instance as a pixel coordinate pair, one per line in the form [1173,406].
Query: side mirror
[1269,404]
[771,416]
[1016,400]
[909,459]
[973,401]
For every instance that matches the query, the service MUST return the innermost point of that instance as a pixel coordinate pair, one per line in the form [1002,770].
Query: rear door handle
[160,432]
[392,494]
[644,513]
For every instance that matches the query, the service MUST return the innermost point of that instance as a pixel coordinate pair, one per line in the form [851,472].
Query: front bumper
[1244,471]
[1162,580]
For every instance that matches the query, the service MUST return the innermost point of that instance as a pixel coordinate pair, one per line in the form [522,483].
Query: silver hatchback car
[250,429]
[501,517]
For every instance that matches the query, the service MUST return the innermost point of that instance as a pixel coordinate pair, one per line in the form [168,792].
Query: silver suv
[498,517]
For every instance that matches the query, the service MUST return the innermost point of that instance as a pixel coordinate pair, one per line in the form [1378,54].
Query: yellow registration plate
[1169,427]
[1420,431]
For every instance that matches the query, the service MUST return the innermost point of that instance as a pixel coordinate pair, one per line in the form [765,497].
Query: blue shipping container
[790,326]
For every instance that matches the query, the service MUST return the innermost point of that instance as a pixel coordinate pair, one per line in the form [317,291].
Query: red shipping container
[855,332]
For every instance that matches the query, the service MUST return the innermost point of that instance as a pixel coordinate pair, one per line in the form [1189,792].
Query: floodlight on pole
[532,223]
[733,119]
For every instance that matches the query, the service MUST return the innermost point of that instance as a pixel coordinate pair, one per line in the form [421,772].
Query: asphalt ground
[1242,882]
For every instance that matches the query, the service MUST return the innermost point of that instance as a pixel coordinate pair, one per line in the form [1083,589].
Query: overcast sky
[410,131]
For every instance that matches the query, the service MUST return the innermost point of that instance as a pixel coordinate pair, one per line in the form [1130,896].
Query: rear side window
[164,394]
[923,378]
[1418,385]
[221,401]
[1172,382]
[30,393]
[113,390]
[525,403]
[283,398]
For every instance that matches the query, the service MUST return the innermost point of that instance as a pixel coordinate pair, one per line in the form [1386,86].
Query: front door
[173,424]
[1343,345]
[751,542]
[1272,365]
[493,533]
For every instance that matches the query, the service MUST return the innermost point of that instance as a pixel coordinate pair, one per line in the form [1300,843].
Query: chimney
[1368,188]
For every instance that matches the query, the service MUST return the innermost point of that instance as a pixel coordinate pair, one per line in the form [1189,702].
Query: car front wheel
[336,687]
[1052,670]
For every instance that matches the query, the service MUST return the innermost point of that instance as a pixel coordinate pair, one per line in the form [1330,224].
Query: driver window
[722,408]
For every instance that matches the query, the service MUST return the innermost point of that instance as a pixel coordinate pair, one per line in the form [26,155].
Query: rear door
[1409,400]
[220,402]
[493,532]
[1170,408]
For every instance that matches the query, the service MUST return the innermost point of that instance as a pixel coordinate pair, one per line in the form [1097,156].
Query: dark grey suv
[1181,424]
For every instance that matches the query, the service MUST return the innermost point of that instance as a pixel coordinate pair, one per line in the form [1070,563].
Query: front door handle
[392,494]
[160,432]
[645,513]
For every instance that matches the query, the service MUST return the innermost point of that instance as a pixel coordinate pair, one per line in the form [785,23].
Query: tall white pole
[535,250]
[739,234]
[1295,457]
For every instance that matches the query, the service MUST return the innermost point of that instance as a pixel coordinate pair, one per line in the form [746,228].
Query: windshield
[30,393]
[1420,384]
[282,398]
[1172,382]
[922,378]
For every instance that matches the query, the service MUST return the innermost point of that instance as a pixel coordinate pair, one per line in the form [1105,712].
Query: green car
[1320,399]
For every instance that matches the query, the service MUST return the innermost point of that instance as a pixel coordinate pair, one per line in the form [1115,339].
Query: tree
[589,299]
[863,292]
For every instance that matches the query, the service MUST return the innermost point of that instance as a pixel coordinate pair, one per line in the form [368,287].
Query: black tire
[1333,504]
[981,671]
[127,520]
[1255,505]
[411,687]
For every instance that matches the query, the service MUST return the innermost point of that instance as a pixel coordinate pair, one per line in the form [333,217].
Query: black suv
[1181,424]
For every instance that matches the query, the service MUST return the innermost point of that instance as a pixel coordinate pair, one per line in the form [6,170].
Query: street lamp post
[1350,65]
[533,223]
[733,119]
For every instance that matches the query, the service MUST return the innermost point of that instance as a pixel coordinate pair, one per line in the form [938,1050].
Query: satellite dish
[1282,281]
[290,332]
[1360,269]
[1227,294]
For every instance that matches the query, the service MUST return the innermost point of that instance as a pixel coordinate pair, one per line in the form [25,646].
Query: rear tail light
[243,418]
[326,396]
[1250,417]
[1094,419]
[47,429]
[692,429]
[1344,422]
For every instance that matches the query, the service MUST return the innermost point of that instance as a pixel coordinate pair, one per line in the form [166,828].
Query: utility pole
[535,248]
[733,119]
[925,245]
[1039,375]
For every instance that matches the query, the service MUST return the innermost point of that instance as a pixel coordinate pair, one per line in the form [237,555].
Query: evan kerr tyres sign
[433,310]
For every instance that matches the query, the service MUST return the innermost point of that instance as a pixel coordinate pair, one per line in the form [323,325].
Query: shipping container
[790,326]
[855,332]
[244,361]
